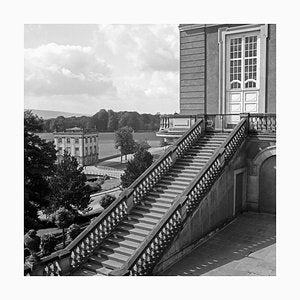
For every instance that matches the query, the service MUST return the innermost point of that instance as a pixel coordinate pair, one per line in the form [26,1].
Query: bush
[73,231]
[164,143]
[48,243]
[62,219]
[106,200]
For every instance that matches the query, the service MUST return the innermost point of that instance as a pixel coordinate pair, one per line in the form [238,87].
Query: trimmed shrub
[48,243]
[106,200]
[73,231]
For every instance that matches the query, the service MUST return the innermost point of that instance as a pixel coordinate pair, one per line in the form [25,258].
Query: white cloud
[66,70]
[126,67]
[148,47]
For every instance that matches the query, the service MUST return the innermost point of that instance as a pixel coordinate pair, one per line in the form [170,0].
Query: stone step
[99,255]
[111,247]
[189,164]
[146,214]
[84,272]
[157,203]
[164,195]
[172,181]
[139,224]
[166,201]
[187,169]
[153,210]
[133,230]
[128,235]
[93,266]
[181,174]
[123,243]
[108,263]
[200,151]
[141,218]
[170,187]
[165,190]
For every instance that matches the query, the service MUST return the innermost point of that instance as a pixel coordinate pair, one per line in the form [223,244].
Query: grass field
[107,141]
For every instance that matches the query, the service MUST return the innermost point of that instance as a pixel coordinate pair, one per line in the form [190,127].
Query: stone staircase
[126,238]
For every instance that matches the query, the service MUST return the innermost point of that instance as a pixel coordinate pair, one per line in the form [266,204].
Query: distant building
[83,145]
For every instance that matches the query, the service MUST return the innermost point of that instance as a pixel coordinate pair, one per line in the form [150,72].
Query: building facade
[224,69]
[83,145]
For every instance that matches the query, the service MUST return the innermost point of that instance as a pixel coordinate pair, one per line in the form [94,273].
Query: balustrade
[148,254]
[262,123]
[88,241]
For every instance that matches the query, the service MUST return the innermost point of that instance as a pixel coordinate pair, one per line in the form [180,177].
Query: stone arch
[265,162]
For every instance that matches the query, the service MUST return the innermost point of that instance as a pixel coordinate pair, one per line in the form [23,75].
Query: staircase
[129,234]
[132,234]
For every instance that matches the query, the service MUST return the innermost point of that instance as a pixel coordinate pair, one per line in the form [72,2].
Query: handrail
[139,251]
[149,252]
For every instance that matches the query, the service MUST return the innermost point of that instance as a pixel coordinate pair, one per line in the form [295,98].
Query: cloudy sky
[84,68]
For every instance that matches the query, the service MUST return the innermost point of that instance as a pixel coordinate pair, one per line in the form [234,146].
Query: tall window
[77,141]
[68,140]
[243,62]
[76,150]
[235,63]
[59,140]
[250,61]
[95,149]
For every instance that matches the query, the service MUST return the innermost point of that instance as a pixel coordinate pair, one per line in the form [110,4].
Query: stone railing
[79,250]
[152,248]
[262,123]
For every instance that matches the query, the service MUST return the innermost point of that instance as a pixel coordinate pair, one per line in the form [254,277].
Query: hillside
[49,114]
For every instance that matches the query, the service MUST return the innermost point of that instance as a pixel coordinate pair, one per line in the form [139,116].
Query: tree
[100,120]
[112,124]
[107,200]
[68,186]
[39,164]
[62,219]
[142,160]
[142,144]
[124,141]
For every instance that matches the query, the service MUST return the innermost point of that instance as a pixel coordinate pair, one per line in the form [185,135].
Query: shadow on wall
[245,235]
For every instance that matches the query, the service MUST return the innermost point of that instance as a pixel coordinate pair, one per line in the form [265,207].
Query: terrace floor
[245,247]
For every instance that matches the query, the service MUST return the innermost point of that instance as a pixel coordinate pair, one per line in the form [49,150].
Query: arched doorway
[267,185]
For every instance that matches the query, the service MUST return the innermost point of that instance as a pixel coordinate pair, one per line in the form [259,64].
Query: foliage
[100,120]
[164,143]
[143,144]
[62,219]
[48,243]
[107,200]
[39,164]
[32,241]
[142,160]
[68,186]
[73,231]
[105,121]
[124,140]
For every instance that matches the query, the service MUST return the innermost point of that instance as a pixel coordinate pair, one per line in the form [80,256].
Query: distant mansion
[83,145]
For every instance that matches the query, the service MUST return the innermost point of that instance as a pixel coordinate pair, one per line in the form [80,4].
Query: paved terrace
[247,246]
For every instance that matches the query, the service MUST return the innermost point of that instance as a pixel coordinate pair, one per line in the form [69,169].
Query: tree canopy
[68,186]
[124,140]
[39,164]
[142,160]
[105,121]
